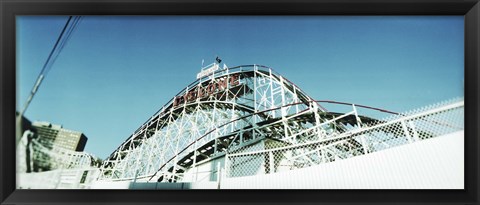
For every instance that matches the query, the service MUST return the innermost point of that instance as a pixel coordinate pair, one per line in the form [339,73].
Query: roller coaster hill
[249,121]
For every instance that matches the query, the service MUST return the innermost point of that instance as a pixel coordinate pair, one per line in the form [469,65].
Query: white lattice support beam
[183,127]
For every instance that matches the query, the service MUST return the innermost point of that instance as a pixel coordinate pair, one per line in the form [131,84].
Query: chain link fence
[271,156]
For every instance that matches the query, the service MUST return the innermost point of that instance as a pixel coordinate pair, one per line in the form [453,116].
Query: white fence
[420,124]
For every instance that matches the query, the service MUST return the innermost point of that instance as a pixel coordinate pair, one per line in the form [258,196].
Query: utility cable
[59,44]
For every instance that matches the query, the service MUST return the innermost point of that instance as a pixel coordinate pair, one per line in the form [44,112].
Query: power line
[64,39]
[57,48]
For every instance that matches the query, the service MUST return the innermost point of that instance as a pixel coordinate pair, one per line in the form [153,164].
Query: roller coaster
[249,120]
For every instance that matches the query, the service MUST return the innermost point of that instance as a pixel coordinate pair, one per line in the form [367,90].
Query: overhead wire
[47,62]
[62,39]
[68,33]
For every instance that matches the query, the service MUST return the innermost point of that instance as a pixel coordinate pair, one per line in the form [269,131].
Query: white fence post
[405,130]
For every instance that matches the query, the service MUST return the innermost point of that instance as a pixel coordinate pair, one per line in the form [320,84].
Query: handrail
[363,106]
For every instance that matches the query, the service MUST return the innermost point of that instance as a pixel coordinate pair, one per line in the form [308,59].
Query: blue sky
[116,71]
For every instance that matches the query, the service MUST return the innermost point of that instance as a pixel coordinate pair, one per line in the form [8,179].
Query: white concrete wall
[205,172]
[154,185]
[57,179]
[110,185]
[436,163]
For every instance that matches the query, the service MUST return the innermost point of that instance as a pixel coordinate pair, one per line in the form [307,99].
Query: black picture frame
[10,8]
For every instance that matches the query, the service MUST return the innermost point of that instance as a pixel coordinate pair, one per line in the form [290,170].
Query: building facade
[54,135]
[51,137]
